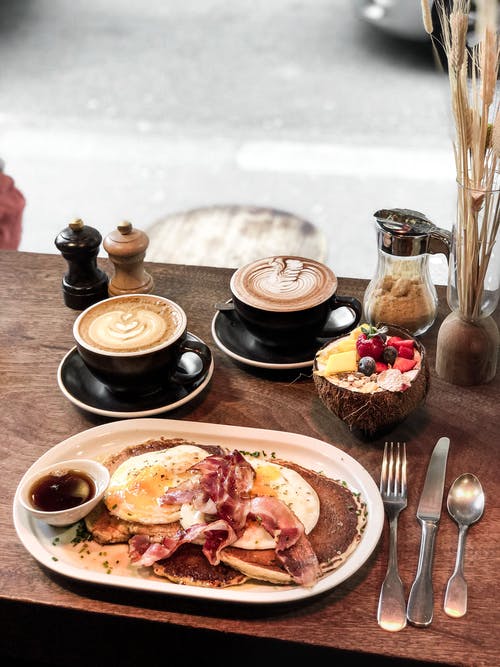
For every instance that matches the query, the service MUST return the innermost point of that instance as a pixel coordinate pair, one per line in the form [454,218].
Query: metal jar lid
[407,233]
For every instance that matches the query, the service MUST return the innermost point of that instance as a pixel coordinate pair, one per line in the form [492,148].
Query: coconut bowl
[378,412]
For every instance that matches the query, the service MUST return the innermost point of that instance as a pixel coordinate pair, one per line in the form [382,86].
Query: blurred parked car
[402,18]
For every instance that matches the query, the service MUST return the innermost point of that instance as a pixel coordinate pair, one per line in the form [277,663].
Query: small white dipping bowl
[65,517]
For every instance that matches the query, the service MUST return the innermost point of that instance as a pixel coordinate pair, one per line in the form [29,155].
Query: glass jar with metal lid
[402,292]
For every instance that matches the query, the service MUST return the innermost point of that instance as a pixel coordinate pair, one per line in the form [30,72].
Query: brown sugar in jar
[403,301]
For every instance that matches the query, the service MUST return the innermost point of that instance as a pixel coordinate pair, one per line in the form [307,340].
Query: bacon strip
[293,549]
[217,534]
[225,480]
[222,483]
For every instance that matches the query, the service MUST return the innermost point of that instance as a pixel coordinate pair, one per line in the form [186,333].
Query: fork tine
[393,473]
[387,474]
[391,484]
[399,488]
[383,472]
[383,469]
[403,471]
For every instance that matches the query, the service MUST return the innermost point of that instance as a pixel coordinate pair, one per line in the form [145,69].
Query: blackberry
[389,354]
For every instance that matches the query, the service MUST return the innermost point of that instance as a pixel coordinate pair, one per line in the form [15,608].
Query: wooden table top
[62,619]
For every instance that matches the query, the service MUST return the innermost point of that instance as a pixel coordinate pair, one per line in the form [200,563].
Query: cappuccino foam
[130,324]
[283,284]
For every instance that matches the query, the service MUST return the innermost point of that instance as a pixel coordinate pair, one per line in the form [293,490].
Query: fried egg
[139,482]
[271,479]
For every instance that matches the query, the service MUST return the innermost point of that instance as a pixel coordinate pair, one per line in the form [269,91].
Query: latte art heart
[130,325]
[125,327]
[114,331]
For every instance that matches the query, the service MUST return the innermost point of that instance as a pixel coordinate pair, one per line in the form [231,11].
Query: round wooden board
[231,236]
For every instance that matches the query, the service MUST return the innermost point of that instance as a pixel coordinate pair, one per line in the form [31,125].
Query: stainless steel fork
[391,614]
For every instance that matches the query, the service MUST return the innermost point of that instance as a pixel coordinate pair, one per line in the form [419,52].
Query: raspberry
[370,343]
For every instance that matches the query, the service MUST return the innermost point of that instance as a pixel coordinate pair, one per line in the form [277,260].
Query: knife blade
[421,600]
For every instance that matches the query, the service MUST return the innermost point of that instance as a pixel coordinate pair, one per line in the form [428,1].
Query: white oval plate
[52,546]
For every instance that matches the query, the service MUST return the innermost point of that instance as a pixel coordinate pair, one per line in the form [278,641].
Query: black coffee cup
[290,301]
[134,343]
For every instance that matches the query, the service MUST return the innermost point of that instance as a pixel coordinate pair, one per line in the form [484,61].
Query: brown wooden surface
[63,620]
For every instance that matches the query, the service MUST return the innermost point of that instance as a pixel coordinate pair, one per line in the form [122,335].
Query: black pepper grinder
[126,248]
[84,283]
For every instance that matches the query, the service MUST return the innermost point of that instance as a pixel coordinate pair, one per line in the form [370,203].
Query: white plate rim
[306,450]
[130,415]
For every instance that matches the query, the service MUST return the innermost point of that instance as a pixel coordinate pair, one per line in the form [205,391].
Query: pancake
[333,539]
[108,529]
[335,536]
[188,565]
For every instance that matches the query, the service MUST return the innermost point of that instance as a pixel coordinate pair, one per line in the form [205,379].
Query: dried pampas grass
[473,73]
[427,17]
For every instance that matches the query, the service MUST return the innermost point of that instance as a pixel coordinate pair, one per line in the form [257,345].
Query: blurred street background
[132,109]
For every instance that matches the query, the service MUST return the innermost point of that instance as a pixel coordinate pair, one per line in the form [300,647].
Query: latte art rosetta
[290,278]
[283,283]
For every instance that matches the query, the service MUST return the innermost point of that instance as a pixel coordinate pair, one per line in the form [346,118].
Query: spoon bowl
[466,499]
[466,506]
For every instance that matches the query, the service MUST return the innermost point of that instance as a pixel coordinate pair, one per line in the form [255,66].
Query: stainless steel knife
[421,600]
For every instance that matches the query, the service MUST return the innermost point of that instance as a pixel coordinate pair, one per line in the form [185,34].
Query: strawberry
[380,366]
[370,342]
[407,342]
[397,342]
[404,365]
[405,351]
[394,341]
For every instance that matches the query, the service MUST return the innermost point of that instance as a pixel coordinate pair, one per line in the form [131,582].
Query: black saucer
[84,390]
[233,338]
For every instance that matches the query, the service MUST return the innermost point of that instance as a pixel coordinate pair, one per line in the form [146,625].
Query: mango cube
[357,331]
[345,345]
[341,362]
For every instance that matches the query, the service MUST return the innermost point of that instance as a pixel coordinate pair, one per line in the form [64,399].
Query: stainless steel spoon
[466,505]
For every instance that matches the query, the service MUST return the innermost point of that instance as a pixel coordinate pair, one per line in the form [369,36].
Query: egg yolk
[264,478]
[146,486]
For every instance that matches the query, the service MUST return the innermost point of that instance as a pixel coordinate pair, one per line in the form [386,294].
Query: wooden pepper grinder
[84,283]
[126,248]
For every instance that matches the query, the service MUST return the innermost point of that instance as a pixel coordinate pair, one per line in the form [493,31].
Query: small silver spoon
[465,505]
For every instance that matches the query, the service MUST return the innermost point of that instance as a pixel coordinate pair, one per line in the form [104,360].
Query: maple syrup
[62,490]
